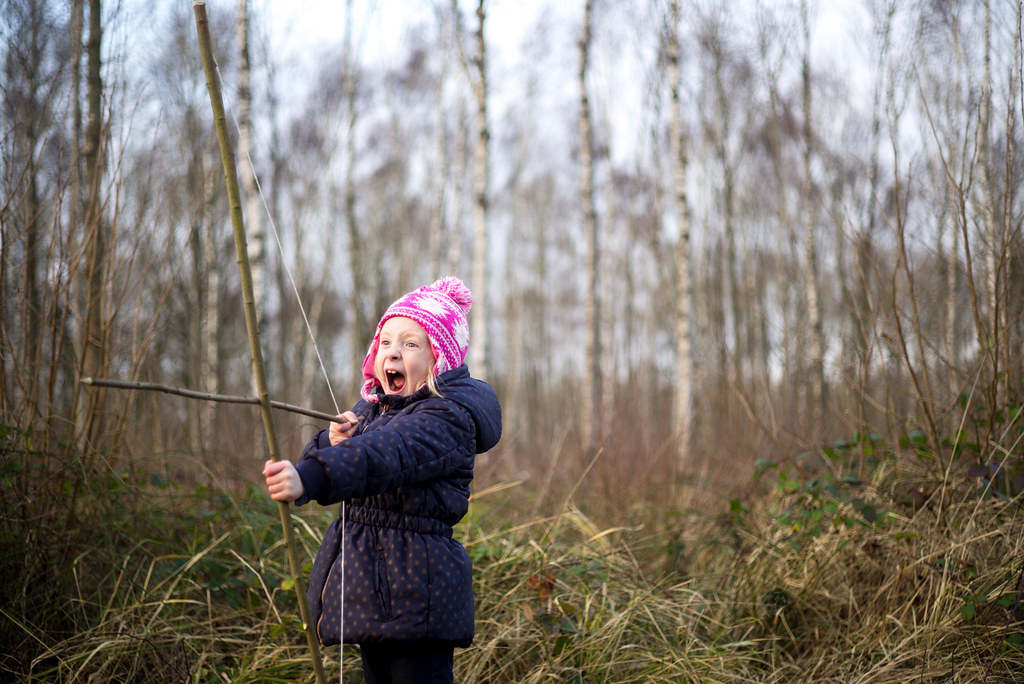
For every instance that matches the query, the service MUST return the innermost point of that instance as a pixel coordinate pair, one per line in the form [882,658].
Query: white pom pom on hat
[441,309]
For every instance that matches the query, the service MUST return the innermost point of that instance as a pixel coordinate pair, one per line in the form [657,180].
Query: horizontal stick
[206,396]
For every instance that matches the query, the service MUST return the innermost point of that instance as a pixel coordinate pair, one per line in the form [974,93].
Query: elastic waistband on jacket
[399,521]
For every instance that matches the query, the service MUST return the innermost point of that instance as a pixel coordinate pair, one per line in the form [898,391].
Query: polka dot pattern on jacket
[405,479]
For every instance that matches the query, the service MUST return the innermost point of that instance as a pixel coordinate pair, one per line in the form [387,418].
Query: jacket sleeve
[312,479]
[436,439]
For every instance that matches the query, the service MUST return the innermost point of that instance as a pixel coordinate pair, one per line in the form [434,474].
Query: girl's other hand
[343,428]
[283,481]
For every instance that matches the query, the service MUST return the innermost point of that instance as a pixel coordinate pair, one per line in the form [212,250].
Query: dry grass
[912,575]
[859,603]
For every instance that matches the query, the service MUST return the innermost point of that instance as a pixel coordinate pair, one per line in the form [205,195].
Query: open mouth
[394,380]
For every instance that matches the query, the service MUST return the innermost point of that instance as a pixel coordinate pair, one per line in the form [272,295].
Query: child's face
[404,357]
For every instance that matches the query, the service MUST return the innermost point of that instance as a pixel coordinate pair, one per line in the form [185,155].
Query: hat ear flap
[371,380]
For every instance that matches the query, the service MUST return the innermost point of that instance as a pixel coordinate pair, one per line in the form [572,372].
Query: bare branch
[207,396]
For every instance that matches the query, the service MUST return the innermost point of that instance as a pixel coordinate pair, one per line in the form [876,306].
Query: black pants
[407,663]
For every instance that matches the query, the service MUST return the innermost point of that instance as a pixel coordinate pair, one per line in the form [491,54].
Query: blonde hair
[432,379]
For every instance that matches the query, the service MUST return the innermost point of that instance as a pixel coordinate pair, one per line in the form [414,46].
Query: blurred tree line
[695,236]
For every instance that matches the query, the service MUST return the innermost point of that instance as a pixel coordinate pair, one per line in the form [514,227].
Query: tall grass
[861,562]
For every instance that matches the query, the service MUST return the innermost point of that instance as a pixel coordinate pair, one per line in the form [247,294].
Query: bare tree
[591,407]
[363,324]
[718,126]
[34,179]
[864,311]
[773,49]
[812,291]
[481,183]
[1012,228]
[683,400]
[986,198]
[208,259]
[943,91]
[400,162]
[461,163]
[439,180]
[89,418]
[255,230]
[21,223]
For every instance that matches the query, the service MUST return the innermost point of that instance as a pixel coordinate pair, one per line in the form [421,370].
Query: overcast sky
[302,31]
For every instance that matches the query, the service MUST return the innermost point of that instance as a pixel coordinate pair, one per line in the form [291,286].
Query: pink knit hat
[441,309]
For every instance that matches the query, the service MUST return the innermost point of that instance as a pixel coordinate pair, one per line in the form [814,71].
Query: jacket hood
[475,396]
[482,403]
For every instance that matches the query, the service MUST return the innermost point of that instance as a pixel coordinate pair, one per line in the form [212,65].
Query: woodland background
[732,283]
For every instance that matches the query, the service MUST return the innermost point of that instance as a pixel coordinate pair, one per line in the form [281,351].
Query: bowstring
[316,349]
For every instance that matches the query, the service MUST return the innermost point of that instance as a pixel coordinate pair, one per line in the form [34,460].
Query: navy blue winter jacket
[405,477]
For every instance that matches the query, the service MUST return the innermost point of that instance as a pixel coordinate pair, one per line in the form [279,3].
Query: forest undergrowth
[861,561]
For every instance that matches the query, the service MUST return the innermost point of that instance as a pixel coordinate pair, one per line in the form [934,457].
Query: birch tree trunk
[256,233]
[281,285]
[950,180]
[513,366]
[461,155]
[591,297]
[363,324]
[720,131]
[1012,261]
[864,311]
[453,255]
[199,238]
[481,182]
[209,312]
[89,414]
[785,233]
[812,295]
[607,307]
[950,255]
[1003,229]
[196,287]
[996,232]
[682,415]
[439,179]
[986,199]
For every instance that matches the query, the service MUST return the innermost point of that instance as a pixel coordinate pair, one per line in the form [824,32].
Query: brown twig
[207,396]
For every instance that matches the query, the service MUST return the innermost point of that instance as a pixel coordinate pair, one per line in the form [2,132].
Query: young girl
[401,466]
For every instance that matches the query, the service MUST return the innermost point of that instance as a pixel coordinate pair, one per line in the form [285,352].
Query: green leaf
[761,465]
[967,611]
[288,584]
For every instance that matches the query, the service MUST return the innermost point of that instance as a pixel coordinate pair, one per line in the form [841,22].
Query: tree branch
[206,396]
